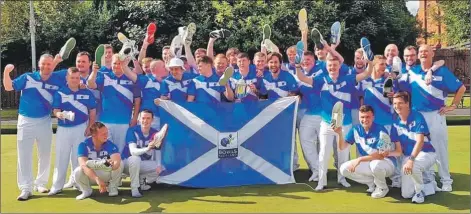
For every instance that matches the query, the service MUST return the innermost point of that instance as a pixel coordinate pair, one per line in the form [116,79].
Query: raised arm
[91,82]
[332,51]
[189,56]
[302,77]
[143,51]
[210,48]
[367,73]
[7,82]
[127,71]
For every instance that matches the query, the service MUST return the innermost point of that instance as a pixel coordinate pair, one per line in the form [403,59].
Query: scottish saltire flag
[228,144]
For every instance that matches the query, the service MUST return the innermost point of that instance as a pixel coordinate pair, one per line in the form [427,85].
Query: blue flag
[228,144]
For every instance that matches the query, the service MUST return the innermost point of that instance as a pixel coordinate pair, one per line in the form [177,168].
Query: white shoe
[84,195]
[435,186]
[396,66]
[69,184]
[314,177]
[418,198]
[113,191]
[271,47]
[188,34]
[135,193]
[344,183]
[145,187]
[379,193]
[319,187]
[41,189]
[54,191]
[371,188]
[24,195]
[159,136]
[337,114]
[396,184]
[446,188]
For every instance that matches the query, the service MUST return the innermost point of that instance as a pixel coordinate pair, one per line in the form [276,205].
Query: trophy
[241,89]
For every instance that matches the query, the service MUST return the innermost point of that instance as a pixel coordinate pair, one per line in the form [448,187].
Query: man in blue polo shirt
[411,131]
[205,88]
[278,83]
[244,83]
[99,163]
[429,100]
[119,97]
[370,167]
[175,86]
[71,131]
[34,121]
[333,88]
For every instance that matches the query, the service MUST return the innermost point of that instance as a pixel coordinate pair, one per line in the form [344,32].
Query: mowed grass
[267,198]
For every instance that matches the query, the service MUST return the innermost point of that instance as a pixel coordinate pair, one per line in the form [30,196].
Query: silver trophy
[241,89]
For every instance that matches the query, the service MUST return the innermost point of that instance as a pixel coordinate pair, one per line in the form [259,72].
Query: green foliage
[98,21]
[456,18]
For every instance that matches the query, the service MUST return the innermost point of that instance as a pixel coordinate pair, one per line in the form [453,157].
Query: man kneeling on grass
[374,165]
[100,163]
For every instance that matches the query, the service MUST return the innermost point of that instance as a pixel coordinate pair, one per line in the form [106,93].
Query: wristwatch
[412,158]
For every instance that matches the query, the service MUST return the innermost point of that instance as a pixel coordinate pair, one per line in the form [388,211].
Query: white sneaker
[24,195]
[371,188]
[314,177]
[69,184]
[396,66]
[337,114]
[396,184]
[344,183]
[435,185]
[379,193]
[54,191]
[447,188]
[319,187]
[418,198]
[159,136]
[41,189]
[85,194]
[135,193]
[113,191]
[145,187]
[271,47]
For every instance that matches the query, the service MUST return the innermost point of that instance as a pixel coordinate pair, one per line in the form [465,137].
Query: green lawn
[269,198]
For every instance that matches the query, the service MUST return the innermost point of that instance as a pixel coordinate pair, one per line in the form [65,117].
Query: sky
[413,7]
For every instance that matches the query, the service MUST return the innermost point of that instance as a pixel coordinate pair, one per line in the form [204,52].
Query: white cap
[176,62]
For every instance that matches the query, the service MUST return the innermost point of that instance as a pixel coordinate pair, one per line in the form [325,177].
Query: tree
[456,19]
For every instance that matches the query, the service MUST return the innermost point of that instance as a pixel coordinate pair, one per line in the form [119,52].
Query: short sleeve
[130,136]
[100,80]
[136,91]
[450,82]
[19,83]
[349,138]
[141,81]
[164,88]
[82,150]
[292,84]
[318,82]
[263,88]
[191,88]
[56,100]
[92,102]
[394,136]
[62,74]
[421,125]
[112,148]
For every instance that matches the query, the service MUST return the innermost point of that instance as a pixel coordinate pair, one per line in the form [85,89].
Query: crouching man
[99,163]
[376,161]
[144,162]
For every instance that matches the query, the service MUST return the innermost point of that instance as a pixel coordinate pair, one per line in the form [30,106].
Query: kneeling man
[375,162]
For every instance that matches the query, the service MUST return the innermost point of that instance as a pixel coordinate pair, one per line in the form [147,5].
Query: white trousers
[309,138]
[84,182]
[439,138]
[328,138]
[414,182]
[67,141]
[29,131]
[299,116]
[370,172]
[138,169]
[117,134]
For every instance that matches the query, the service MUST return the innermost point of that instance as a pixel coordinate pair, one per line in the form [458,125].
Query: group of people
[127,138]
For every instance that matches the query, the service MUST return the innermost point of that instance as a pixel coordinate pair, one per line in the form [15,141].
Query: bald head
[158,69]
[390,52]
[425,54]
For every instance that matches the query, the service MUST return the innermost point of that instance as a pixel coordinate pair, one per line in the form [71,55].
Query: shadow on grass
[168,194]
